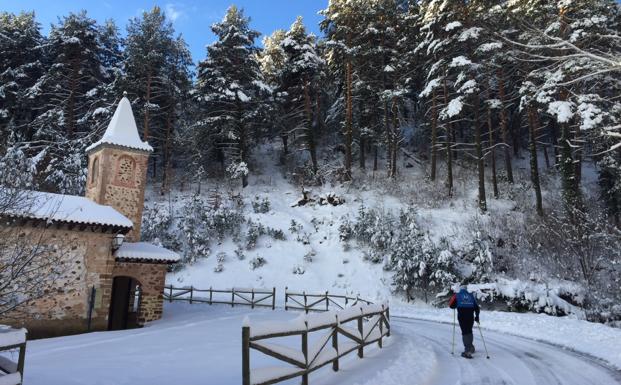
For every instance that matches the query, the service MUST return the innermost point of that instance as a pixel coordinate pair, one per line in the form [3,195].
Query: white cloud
[173,12]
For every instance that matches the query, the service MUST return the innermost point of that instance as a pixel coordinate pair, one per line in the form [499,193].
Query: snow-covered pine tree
[441,27]
[298,83]
[71,102]
[480,256]
[150,43]
[417,262]
[272,59]
[21,66]
[231,91]
[341,26]
[177,83]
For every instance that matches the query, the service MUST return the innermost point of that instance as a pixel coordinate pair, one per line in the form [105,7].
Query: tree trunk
[73,89]
[479,154]
[375,155]
[492,148]
[578,159]
[145,131]
[310,137]
[449,149]
[504,126]
[166,181]
[348,120]
[534,169]
[434,134]
[394,140]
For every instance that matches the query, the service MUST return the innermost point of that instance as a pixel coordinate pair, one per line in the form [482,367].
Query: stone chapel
[110,279]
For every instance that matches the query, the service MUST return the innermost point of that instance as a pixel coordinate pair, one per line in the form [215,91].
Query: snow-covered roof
[122,130]
[143,251]
[10,336]
[67,208]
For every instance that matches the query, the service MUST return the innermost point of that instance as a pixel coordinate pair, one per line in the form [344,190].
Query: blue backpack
[465,300]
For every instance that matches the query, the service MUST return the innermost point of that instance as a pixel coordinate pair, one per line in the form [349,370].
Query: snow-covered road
[200,344]
[514,360]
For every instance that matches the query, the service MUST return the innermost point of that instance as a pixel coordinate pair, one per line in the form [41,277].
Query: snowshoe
[466,355]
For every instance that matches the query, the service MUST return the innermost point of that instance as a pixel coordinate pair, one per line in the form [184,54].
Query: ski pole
[453,346]
[483,339]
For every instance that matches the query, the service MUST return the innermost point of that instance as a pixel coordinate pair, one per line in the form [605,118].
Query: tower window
[125,171]
[95,170]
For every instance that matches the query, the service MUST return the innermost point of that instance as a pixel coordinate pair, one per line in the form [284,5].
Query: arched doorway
[124,303]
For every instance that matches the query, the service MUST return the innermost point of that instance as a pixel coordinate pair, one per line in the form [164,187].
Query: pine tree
[72,105]
[149,43]
[231,91]
[299,81]
[21,63]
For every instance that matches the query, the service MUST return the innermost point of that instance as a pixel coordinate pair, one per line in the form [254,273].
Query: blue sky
[191,18]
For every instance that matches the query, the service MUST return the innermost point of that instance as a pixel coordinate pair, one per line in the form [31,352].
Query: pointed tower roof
[122,130]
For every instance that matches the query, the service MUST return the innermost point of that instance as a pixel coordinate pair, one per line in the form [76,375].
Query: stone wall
[82,260]
[117,178]
[152,278]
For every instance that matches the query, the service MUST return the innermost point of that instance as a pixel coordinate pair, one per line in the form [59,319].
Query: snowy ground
[200,344]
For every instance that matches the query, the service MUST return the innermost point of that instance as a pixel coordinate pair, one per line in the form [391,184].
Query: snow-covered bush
[257,262]
[295,227]
[308,257]
[221,258]
[372,228]
[194,227]
[479,257]
[256,230]
[261,206]
[239,253]
[551,297]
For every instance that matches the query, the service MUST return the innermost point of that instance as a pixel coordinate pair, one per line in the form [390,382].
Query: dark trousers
[466,320]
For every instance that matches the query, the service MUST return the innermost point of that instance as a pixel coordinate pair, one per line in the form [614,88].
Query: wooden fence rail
[320,302]
[235,296]
[371,325]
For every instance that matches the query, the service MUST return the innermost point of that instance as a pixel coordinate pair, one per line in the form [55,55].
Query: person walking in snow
[467,313]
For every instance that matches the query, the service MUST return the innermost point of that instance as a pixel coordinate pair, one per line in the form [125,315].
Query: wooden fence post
[170,298]
[305,352]
[305,302]
[246,355]
[21,359]
[381,327]
[327,304]
[361,330]
[274,298]
[233,297]
[191,293]
[252,299]
[388,321]
[335,344]
[210,296]
[286,298]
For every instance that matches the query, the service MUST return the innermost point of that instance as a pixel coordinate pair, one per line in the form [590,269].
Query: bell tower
[117,168]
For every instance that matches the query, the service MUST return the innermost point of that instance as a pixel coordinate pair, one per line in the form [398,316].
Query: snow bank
[533,296]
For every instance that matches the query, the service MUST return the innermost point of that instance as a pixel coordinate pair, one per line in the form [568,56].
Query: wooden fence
[320,302]
[235,296]
[371,324]
[12,372]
